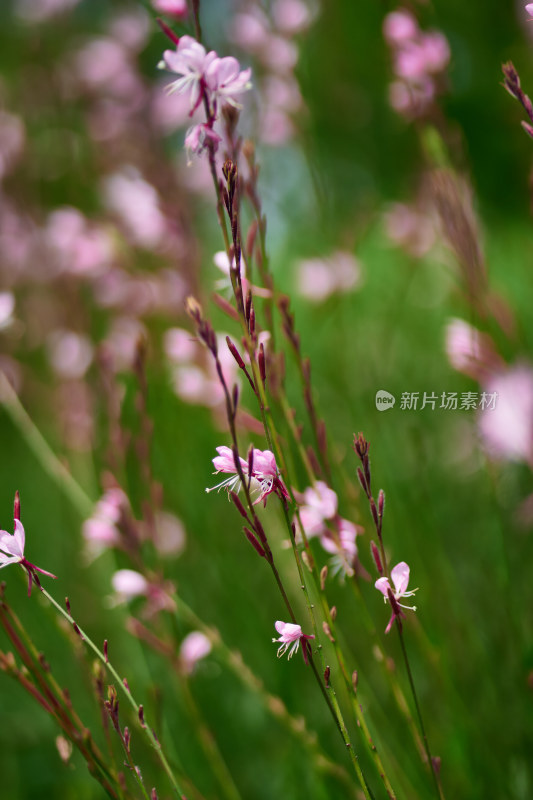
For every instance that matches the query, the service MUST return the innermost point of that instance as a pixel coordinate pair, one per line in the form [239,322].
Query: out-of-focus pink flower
[131,28]
[507,428]
[250,30]
[193,648]
[180,346]
[129,584]
[77,247]
[136,203]
[319,278]
[529,9]
[205,74]
[122,341]
[343,546]
[69,353]
[200,137]
[7,307]
[399,26]
[470,351]
[418,58]
[407,227]
[12,552]
[290,637]
[264,473]
[400,578]
[101,529]
[170,537]
[319,504]
[291,16]
[172,8]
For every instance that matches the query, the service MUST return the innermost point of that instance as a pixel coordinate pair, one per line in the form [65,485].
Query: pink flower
[529,9]
[399,26]
[290,636]
[205,75]
[129,584]
[200,137]
[187,61]
[400,578]
[172,8]
[193,648]
[343,546]
[12,552]
[225,81]
[319,504]
[507,428]
[470,351]
[264,473]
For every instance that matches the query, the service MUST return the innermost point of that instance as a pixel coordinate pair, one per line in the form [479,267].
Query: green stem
[146,728]
[438,789]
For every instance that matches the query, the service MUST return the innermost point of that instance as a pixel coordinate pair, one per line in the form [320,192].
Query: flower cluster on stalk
[205,78]
[260,470]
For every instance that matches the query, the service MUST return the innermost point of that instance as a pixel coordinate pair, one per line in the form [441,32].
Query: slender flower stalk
[400,580]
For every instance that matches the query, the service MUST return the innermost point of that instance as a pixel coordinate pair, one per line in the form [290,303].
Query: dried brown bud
[323,577]
[327,673]
[355,680]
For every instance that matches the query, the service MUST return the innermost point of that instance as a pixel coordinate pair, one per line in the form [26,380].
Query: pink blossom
[318,278]
[290,636]
[291,16]
[12,552]
[136,202]
[170,538]
[405,226]
[342,545]
[180,346]
[205,74]
[319,504]
[193,648]
[129,584]
[78,247]
[400,579]
[7,307]
[470,351]
[529,9]
[101,529]
[399,27]
[507,429]
[225,81]
[172,8]
[200,138]
[69,353]
[264,473]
